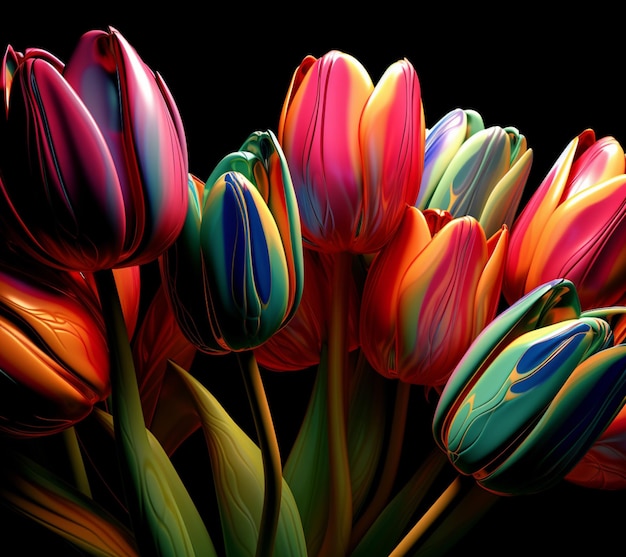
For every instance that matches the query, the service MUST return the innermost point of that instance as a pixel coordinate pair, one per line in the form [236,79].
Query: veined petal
[547,304]
[320,138]
[489,286]
[583,242]
[590,398]
[473,172]
[436,302]
[502,406]
[378,322]
[443,141]
[244,263]
[604,159]
[392,132]
[503,202]
[528,227]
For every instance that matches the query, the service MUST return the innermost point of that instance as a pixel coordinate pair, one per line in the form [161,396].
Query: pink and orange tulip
[54,356]
[355,150]
[94,159]
[573,226]
[428,295]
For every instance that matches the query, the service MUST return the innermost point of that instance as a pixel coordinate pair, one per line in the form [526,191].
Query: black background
[229,68]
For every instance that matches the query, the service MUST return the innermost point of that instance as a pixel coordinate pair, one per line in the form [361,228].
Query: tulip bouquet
[391,263]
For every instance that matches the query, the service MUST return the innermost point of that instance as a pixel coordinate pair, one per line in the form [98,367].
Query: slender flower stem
[390,467]
[76,461]
[268,444]
[428,518]
[340,509]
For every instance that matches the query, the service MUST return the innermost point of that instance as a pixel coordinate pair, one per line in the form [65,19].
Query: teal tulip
[235,275]
[532,393]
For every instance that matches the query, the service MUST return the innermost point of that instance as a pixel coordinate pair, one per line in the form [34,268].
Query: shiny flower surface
[531,395]
[427,296]
[573,226]
[355,150]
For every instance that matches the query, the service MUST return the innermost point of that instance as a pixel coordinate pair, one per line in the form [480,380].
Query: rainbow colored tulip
[573,226]
[532,394]
[355,150]
[235,275]
[298,344]
[54,356]
[109,190]
[473,170]
[428,295]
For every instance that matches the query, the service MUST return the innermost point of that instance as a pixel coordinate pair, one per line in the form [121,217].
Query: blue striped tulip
[235,275]
[532,393]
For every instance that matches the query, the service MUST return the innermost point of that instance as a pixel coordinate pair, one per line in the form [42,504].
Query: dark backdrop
[229,70]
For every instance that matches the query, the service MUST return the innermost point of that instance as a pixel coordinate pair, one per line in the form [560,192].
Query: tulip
[427,296]
[473,170]
[355,150]
[54,356]
[235,275]
[573,225]
[107,191]
[532,393]
[299,343]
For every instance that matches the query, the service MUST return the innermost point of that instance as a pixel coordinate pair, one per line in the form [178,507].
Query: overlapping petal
[427,297]
[355,150]
[572,224]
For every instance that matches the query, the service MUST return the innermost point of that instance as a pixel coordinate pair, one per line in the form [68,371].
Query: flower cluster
[387,255]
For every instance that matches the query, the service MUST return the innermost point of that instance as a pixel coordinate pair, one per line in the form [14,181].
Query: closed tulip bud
[531,395]
[427,296]
[54,356]
[110,189]
[473,170]
[355,152]
[298,344]
[573,226]
[235,275]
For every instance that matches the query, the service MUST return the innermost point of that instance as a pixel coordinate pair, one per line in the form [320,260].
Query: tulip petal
[594,259]
[391,135]
[549,303]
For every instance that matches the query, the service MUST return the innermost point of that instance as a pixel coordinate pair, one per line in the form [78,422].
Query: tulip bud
[573,225]
[355,153]
[470,170]
[427,296]
[528,399]
[54,357]
[234,277]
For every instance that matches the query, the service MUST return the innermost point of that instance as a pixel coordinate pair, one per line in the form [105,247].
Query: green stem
[77,463]
[268,444]
[340,510]
[436,510]
[390,467]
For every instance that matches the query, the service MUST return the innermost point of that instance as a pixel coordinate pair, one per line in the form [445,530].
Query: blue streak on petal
[259,252]
[234,233]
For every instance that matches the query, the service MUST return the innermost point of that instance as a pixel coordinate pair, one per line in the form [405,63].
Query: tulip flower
[355,150]
[532,393]
[235,275]
[427,296]
[109,190]
[54,356]
[473,170]
[573,226]
[299,343]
